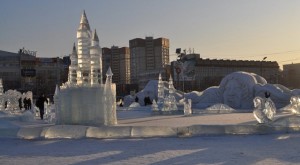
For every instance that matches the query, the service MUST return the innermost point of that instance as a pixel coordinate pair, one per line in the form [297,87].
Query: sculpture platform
[141,124]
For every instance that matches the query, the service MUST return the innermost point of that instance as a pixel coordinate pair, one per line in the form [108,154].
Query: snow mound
[219,108]
[134,105]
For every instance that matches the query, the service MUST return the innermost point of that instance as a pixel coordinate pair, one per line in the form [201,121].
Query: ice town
[86,107]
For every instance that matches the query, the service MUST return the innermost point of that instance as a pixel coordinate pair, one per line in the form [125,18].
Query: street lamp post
[261,69]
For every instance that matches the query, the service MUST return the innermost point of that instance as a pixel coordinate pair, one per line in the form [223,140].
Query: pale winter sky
[227,29]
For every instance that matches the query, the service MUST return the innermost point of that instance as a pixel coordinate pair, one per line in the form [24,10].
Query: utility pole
[261,66]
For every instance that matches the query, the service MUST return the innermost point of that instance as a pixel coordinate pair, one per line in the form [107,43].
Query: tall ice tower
[96,60]
[84,99]
[84,42]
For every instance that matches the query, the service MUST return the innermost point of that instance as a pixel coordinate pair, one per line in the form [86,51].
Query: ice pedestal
[86,106]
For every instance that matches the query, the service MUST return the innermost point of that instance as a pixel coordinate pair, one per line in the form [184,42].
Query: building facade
[291,75]
[119,61]
[148,58]
[26,72]
[199,74]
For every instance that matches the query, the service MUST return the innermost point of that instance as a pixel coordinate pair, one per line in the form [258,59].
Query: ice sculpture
[2,97]
[56,105]
[238,90]
[187,105]
[154,106]
[50,115]
[1,87]
[84,42]
[264,109]
[170,101]
[12,99]
[295,104]
[110,115]
[160,91]
[72,76]
[96,61]
[84,99]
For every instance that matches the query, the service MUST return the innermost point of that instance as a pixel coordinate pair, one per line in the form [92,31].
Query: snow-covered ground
[221,150]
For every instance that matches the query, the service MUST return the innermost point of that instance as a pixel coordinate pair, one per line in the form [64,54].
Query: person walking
[40,104]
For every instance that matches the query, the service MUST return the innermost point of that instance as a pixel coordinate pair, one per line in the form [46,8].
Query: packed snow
[212,150]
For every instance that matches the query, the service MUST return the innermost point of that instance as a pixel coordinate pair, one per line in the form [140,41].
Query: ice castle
[84,99]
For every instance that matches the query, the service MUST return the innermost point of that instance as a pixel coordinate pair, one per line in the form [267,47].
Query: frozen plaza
[86,107]
[176,128]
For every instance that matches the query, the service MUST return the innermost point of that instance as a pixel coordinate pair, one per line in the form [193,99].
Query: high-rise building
[148,58]
[119,61]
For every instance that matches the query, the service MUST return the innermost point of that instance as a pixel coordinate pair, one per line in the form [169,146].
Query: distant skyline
[229,29]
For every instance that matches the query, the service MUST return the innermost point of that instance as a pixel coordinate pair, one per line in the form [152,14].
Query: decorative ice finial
[95,36]
[84,23]
[171,79]
[74,49]
[109,72]
[109,75]
[264,110]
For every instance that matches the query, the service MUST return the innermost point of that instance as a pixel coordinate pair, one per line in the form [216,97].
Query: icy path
[225,150]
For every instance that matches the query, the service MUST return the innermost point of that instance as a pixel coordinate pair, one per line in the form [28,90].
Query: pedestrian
[40,104]
[29,103]
[20,103]
[136,99]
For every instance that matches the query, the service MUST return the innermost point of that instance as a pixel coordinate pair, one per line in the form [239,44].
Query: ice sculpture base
[82,106]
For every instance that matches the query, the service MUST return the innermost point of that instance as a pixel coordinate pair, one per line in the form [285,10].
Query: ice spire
[160,91]
[84,43]
[110,114]
[109,75]
[84,23]
[1,87]
[72,79]
[57,104]
[171,86]
[2,97]
[171,98]
[95,36]
[96,60]
[56,93]
[74,49]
